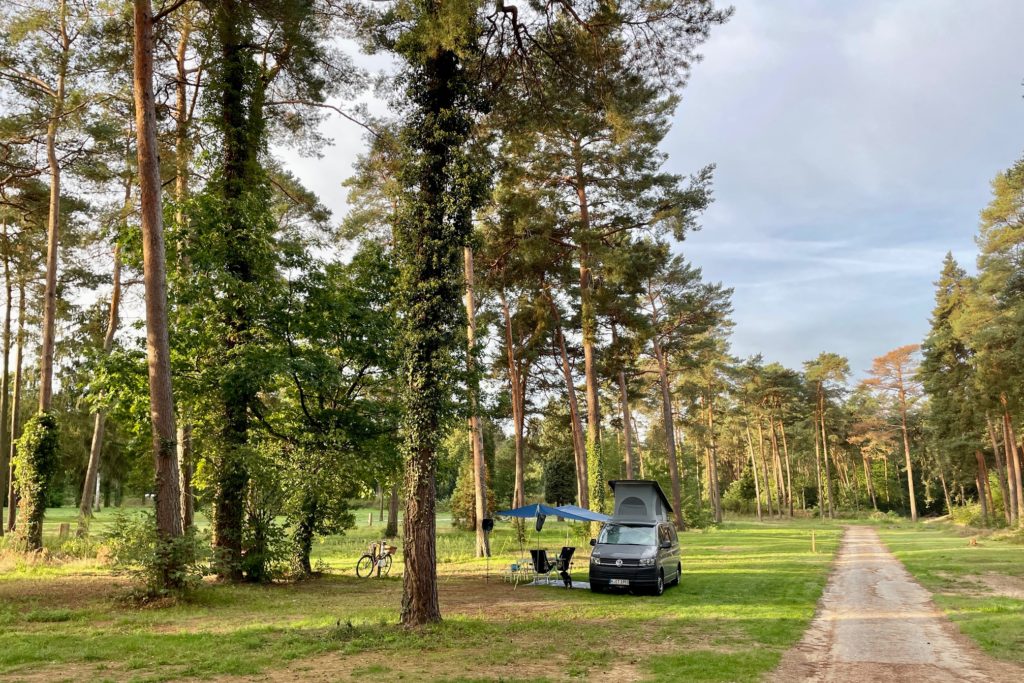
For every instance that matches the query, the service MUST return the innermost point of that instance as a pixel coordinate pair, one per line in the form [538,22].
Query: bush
[35,462]
[967,515]
[161,567]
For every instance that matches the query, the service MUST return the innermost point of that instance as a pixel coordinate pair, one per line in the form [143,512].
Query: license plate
[618,582]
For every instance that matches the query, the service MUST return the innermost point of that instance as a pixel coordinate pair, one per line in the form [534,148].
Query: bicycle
[378,558]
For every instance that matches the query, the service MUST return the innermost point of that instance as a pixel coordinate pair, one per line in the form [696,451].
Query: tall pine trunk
[670,436]
[391,530]
[100,418]
[483,548]
[716,497]
[578,442]
[5,388]
[906,448]
[1000,470]
[753,469]
[825,454]
[517,391]
[161,399]
[12,495]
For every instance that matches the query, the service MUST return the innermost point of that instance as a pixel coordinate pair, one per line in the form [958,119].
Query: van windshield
[622,534]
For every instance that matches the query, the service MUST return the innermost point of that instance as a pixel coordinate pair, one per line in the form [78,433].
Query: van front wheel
[659,588]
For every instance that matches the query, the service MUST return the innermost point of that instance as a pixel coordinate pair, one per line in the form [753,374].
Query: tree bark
[716,498]
[391,530]
[185,469]
[5,406]
[53,221]
[517,390]
[12,495]
[100,418]
[824,450]
[161,399]
[1011,467]
[1018,465]
[982,481]
[627,424]
[780,483]
[182,159]
[753,469]
[1000,470]
[906,446]
[867,480]
[764,468]
[789,476]
[669,424]
[579,449]
[483,548]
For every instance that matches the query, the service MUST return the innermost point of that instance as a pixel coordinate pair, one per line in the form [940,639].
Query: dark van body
[637,555]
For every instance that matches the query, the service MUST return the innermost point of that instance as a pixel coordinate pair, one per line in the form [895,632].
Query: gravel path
[876,623]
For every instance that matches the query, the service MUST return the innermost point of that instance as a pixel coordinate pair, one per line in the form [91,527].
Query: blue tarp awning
[584,513]
[566,511]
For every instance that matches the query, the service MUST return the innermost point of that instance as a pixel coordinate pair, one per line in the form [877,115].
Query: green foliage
[136,548]
[36,463]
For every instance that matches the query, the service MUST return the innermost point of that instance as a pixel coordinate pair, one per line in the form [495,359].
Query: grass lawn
[748,592]
[980,587]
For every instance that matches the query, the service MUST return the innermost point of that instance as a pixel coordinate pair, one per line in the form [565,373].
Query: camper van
[638,549]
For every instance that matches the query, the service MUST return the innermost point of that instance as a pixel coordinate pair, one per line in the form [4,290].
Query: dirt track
[875,623]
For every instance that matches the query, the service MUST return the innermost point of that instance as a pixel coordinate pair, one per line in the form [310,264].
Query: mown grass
[748,592]
[944,560]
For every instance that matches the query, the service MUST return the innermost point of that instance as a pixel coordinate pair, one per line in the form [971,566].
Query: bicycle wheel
[385,565]
[364,567]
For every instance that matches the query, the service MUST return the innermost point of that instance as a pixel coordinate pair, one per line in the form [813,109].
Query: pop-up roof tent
[640,500]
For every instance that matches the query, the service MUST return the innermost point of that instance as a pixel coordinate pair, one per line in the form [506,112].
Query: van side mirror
[666,545]
[593,541]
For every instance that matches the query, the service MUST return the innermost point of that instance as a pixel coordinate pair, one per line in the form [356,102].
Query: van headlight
[595,559]
[647,561]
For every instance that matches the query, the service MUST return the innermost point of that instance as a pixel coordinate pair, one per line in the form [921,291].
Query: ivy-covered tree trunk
[36,464]
[154,274]
[432,231]
[243,137]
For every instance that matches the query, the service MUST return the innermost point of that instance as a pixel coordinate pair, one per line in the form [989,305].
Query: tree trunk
[483,548]
[670,435]
[982,480]
[12,494]
[100,418]
[627,427]
[716,498]
[391,530]
[1018,465]
[183,158]
[817,467]
[780,483]
[161,399]
[1000,470]
[867,480]
[906,447]
[789,476]
[185,469]
[764,468]
[579,449]
[1011,467]
[517,390]
[639,451]
[53,223]
[824,450]
[753,469]
[5,407]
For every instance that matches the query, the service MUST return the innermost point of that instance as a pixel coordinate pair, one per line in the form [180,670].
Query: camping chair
[563,563]
[542,566]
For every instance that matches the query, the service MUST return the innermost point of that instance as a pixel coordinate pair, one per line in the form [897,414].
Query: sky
[854,144]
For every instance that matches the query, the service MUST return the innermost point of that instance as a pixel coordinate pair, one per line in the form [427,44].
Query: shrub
[35,462]
[967,515]
[136,549]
